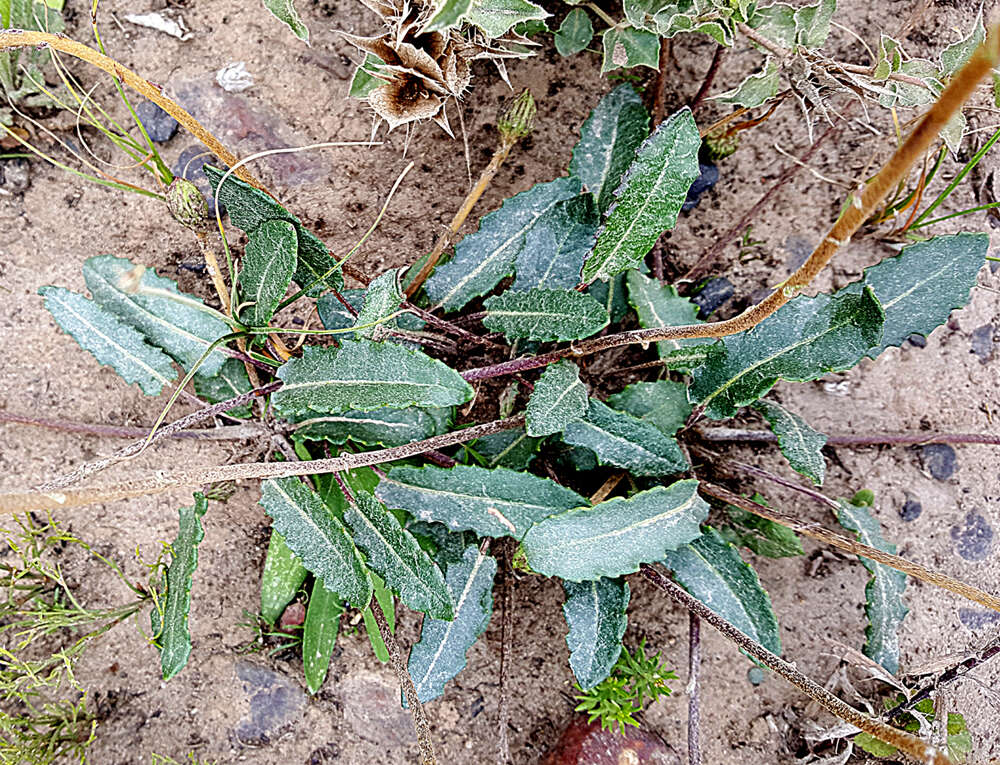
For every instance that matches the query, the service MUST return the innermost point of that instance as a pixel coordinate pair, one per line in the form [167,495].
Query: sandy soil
[237,707]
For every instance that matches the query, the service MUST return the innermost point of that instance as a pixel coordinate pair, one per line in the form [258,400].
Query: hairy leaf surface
[440,653]
[544,314]
[608,142]
[805,339]
[628,47]
[492,502]
[575,33]
[614,537]
[497,17]
[379,427]
[659,305]
[268,265]
[558,399]
[317,538]
[649,198]
[662,403]
[230,382]
[711,569]
[111,342]
[364,375]
[319,634]
[382,299]
[513,449]
[555,247]
[762,536]
[284,11]
[595,615]
[799,443]
[619,439]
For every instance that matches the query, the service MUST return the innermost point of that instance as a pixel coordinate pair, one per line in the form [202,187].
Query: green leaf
[884,593]
[109,341]
[440,653]
[230,382]
[625,441]
[542,314]
[760,535]
[575,33]
[447,15]
[649,198]
[558,399]
[513,449]
[799,443]
[608,142]
[662,403]
[319,634]
[805,339]
[249,208]
[808,26]
[628,47]
[614,537]
[393,553]
[178,323]
[595,615]
[711,569]
[920,287]
[317,538]
[268,265]
[363,375]
[388,606]
[171,625]
[686,359]
[659,305]
[485,257]
[445,546]
[285,12]
[611,294]
[756,88]
[497,17]
[555,247]
[874,746]
[363,82]
[282,577]
[956,54]
[334,314]
[382,299]
[380,427]
[493,503]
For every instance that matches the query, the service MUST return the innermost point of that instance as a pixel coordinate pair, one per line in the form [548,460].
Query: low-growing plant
[436,466]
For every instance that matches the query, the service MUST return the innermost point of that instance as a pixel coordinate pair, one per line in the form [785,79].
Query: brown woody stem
[738,435]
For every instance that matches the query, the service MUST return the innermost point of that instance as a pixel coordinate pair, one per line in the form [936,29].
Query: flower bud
[516,121]
[187,204]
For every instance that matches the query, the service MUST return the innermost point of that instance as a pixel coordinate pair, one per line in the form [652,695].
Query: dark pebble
[939,460]
[977,618]
[713,295]
[918,341]
[189,165]
[708,178]
[972,541]
[799,249]
[910,510]
[160,126]
[275,701]
[15,175]
[994,264]
[982,342]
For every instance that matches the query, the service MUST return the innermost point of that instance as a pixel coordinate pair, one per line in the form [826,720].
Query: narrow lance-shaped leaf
[171,625]
[608,141]
[381,300]
[712,570]
[884,605]
[544,315]
[799,443]
[317,538]
[268,265]
[595,615]
[363,375]
[180,324]
[555,247]
[387,603]
[649,198]
[485,257]
[282,577]
[492,502]
[319,634]
[285,12]
[659,305]
[625,441]
[392,552]
[662,403]
[379,427]
[805,339]
[440,653]
[614,537]
[558,399]
[762,536]
[109,341]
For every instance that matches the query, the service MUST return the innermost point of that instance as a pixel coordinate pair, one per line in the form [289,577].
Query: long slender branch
[420,723]
[222,433]
[738,435]
[164,480]
[694,709]
[822,534]
[20,38]
[902,740]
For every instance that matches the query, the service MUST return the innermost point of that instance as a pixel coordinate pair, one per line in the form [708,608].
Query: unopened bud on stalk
[187,204]
[516,122]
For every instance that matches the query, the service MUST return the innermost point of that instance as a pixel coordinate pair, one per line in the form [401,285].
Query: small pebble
[918,341]
[708,178]
[275,703]
[15,175]
[972,541]
[159,125]
[189,165]
[584,743]
[977,618]
[755,675]
[234,78]
[799,249]
[713,295]
[939,460]
[910,510]
[982,342]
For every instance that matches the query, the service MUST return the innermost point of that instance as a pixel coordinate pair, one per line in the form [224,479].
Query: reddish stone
[584,743]
[293,616]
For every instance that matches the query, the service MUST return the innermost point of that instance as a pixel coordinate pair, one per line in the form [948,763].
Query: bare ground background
[237,707]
